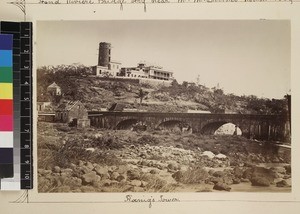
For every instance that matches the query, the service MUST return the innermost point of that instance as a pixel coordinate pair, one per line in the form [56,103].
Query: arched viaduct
[263,127]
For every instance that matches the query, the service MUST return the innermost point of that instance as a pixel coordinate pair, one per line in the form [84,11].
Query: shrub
[148,139]
[194,175]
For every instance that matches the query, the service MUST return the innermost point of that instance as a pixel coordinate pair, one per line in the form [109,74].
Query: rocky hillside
[77,83]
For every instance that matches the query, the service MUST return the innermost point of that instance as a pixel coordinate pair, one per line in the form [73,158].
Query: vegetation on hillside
[77,83]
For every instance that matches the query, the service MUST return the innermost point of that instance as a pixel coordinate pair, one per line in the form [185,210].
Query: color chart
[6,106]
[16,94]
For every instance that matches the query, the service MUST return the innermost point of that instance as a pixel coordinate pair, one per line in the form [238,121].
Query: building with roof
[106,66]
[72,112]
[147,71]
[110,68]
[54,89]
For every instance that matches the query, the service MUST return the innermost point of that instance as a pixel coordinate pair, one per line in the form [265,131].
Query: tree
[141,95]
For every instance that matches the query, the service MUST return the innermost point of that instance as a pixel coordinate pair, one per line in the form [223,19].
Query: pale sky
[244,57]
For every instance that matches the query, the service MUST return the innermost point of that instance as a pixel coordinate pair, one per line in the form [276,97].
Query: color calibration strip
[6,107]
[22,105]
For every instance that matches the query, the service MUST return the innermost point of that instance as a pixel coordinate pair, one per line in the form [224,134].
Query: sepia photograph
[163,106]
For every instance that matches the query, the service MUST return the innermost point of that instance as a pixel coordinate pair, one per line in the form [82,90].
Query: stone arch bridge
[263,127]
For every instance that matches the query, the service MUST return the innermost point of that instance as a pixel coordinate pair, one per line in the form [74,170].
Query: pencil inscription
[150,200]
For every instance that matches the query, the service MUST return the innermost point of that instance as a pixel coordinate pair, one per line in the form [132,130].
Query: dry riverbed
[93,160]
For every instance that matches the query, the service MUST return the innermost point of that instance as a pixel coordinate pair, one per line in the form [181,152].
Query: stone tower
[104,54]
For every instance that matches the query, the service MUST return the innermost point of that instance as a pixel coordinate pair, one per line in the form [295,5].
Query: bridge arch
[212,128]
[228,129]
[175,125]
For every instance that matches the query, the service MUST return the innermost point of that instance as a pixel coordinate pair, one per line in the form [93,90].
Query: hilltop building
[109,68]
[147,71]
[106,67]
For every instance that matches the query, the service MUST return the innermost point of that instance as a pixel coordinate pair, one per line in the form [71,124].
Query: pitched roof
[53,85]
[67,106]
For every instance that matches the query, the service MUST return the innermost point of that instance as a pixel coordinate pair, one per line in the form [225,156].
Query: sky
[242,57]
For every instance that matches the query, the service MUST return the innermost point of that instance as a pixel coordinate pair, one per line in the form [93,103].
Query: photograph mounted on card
[163,106]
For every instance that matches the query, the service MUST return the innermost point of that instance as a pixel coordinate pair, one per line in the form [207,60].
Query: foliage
[65,76]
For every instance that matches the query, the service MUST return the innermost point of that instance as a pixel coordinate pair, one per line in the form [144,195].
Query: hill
[78,83]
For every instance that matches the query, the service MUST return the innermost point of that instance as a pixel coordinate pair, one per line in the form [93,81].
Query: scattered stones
[44,172]
[122,169]
[67,171]
[278,169]
[73,182]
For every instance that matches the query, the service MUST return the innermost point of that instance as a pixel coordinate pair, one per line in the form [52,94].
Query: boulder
[236,181]
[209,154]
[260,181]
[121,178]
[85,169]
[282,183]
[89,165]
[221,186]
[218,174]
[114,175]
[122,169]
[90,177]
[136,183]
[133,174]
[56,169]
[101,170]
[221,156]
[216,180]
[259,172]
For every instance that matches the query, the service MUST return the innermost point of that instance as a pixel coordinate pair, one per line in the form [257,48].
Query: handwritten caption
[150,199]
[148,1]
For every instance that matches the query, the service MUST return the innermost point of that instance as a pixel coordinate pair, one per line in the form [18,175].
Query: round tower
[104,54]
